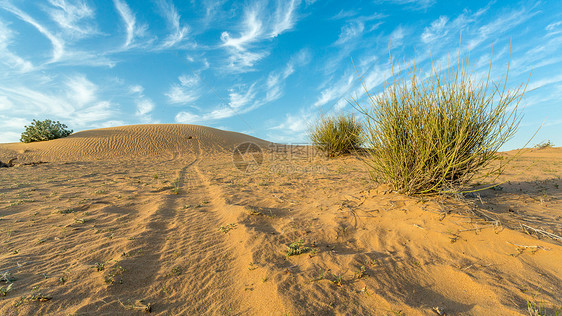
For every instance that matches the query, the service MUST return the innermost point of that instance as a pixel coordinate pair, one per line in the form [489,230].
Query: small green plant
[66,211]
[4,290]
[361,273]
[336,135]
[227,228]
[296,248]
[100,266]
[338,279]
[44,130]
[429,134]
[176,189]
[176,270]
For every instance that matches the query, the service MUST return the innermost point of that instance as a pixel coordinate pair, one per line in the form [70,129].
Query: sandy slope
[174,224]
[160,141]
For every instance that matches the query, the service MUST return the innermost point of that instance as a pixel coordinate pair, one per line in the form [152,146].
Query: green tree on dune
[44,130]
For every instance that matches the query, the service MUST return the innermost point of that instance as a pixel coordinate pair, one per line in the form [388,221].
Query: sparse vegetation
[434,133]
[535,308]
[4,290]
[296,248]
[336,135]
[39,131]
[227,228]
[543,145]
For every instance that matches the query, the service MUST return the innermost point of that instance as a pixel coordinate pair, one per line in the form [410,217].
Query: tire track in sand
[182,265]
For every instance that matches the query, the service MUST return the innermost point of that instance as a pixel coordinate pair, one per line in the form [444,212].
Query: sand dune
[130,142]
[173,225]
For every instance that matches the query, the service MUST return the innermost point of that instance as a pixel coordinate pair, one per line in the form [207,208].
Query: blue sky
[266,68]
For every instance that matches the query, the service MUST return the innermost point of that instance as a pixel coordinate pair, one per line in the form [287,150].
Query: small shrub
[434,133]
[336,135]
[543,145]
[44,130]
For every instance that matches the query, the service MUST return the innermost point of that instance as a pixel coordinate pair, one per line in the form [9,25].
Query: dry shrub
[435,133]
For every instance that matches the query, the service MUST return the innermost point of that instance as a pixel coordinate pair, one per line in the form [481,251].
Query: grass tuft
[336,135]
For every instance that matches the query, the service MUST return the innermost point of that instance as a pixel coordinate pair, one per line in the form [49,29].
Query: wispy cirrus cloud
[276,79]
[246,98]
[336,91]
[285,18]
[73,17]
[257,25]
[502,24]
[179,32]
[554,28]
[184,92]
[57,42]
[239,99]
[133,29]
[8,57]
[143,104]
[76,102]
[436,30]
[350,31]
[412,4]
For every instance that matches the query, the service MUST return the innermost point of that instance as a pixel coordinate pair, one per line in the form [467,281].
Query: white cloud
[284,17]
[293,128]
[244,61]
[144,106]
[554,28]
[501,25]
[80,90]
[136,89]
[70,16]
[5,103]
[187,118]
[143,103]
[275,80]
[77,102]
[6,56]
[436,31]
[413,4]
[350,31]
[257,25]
[179,32]
[11,128]
[397,35]
[56,42]
[252,31]
[339,90]
[185,92]
[240,100]
[133,29]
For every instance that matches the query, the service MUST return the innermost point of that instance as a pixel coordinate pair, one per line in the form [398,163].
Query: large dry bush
[435,133]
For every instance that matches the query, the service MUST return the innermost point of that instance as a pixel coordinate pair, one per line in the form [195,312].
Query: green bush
[336,135]
[435,133]
[44,130]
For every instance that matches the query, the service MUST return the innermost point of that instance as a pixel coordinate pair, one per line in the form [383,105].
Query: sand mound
[128,142]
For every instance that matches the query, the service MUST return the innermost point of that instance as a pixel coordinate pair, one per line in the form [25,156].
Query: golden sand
[121,219]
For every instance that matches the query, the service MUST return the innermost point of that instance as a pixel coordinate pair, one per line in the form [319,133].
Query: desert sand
[119,221]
